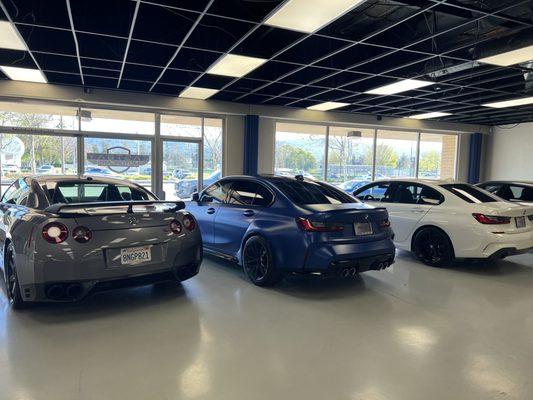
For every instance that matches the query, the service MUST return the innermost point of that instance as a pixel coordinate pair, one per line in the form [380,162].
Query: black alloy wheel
[258,262]
[433,247]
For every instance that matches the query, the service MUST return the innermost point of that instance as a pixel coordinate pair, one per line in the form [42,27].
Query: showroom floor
[412,332]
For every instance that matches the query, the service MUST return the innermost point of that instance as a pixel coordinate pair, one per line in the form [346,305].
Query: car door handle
[248,213]
[417,210]
[210,210]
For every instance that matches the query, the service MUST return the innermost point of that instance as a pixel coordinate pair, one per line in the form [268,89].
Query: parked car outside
[180,173]
[186,187]
[350,186]
[274,225]
[64,237]
[89,170]
[46,169]
[10,169]
[514,191]
[439,221]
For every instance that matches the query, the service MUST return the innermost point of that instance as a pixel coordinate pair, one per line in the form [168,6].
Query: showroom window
[437,156]
[396,154]
[350,154]
[300,149]
[23,154]
[192,154]
[98,120]
[355,155]
[49,139]
[119,158]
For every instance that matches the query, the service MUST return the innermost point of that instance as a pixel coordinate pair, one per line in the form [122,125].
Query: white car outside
[439,221]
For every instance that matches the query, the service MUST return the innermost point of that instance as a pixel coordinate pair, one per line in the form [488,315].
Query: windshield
[94,191]
[470,194]
[305,192]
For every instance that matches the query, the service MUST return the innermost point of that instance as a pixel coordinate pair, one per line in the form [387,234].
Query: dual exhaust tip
[61,291]
[378,265]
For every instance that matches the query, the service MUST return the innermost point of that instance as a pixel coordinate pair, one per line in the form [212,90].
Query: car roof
[528,183]
[436,182]
[70,178]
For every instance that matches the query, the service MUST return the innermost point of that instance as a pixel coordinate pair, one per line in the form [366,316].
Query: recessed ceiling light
[510,103]
[510,57]
[235,65]
[435,114]
[9,37]
[193,92]
[400,86]
[309,15]
[329,105]
[23,74]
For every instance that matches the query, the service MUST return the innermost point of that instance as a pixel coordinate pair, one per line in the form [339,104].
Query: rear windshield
[304,192]
[469,193]
[93,191]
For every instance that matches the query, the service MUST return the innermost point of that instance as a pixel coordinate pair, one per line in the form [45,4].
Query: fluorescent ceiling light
[198,93]
[235,65]
[510,57]
[510,103]
[9,37]
[435,114]
[329,105]
[23,74]
[309,15]
[400,86]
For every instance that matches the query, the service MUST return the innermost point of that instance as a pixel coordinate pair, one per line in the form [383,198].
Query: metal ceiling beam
[77,46]
[189,33]
[132,27]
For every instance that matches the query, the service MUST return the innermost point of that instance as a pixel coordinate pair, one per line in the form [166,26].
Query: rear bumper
[503,245]
[75,284]
[335,257]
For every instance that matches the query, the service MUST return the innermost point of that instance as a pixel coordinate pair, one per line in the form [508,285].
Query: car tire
[433,247]
[12,283]
[258,262]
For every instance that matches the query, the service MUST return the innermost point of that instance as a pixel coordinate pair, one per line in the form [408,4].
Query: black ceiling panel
[376,43]
[103,16]
[97,46]
[170,25]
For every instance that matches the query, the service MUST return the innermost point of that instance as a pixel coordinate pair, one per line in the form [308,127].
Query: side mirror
[195,196]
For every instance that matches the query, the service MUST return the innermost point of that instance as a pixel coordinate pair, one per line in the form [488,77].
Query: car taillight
[82,234]
[315,226]
[175,227]
[385,223]
[491,219]
[188,222]
[55,232]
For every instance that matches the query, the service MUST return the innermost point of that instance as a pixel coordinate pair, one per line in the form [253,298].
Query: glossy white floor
[411,332]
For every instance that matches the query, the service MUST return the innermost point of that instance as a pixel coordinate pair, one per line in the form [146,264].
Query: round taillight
[188,222]
[175,227]
[55,232]
[82,234]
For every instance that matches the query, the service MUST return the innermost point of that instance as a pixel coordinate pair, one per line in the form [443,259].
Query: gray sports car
[63,237]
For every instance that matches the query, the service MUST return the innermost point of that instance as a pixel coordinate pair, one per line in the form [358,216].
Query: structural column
[474,160]
[251,144]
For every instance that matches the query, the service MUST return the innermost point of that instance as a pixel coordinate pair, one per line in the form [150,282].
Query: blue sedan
[273,225]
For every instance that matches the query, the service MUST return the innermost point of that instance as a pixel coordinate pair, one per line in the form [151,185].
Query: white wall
[509,153]
[233,145]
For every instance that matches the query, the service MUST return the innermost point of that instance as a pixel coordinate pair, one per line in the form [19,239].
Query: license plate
[135,255]
[520,222]
[362,228]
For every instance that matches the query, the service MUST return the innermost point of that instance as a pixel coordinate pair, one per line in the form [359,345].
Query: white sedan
[439,221]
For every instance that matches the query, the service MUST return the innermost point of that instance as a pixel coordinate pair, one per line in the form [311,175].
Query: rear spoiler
[61,207]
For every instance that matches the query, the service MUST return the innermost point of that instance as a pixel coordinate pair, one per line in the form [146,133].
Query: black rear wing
[61,208]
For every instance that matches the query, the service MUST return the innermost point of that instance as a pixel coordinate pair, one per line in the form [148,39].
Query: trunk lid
[359,221]
[104,217]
